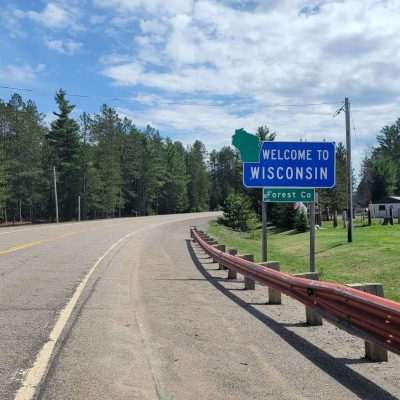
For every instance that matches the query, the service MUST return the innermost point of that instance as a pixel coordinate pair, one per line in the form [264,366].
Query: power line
[13,88]
[181,103]
[339,110]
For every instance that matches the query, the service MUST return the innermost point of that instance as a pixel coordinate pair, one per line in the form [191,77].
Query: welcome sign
[292,165]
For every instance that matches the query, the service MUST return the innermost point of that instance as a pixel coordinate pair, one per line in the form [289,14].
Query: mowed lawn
[374,255]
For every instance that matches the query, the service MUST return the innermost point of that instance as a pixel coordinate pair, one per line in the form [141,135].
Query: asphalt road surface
[130,309]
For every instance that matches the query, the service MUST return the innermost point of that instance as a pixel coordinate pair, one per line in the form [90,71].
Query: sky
[199,69]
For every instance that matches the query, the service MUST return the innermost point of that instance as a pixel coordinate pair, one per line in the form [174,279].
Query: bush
[283,216]
[238,213]
[300,222]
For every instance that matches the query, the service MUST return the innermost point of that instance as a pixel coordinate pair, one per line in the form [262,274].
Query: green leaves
[380,173]
[198,178]
[238,213]
[64,145]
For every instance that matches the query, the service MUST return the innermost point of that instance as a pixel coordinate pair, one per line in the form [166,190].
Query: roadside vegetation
[374,256]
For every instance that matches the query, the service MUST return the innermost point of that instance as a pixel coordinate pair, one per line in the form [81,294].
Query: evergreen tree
[64,143]
[380,173]
[389,149]
[133,155]
[364,193]
[336,198]
[198,178]
[383,182]
[265,134]
[175,196]
[3,183]
[238,212]
[225,175]
[21,148]
[108,135]
[153,171]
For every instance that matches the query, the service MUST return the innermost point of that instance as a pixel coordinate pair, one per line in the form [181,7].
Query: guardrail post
[231,273]
[373,351]
[312,317]
[220,247]
[249,284]
[274,295]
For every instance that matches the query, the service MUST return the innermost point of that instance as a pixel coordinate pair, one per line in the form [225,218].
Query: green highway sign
[287,195]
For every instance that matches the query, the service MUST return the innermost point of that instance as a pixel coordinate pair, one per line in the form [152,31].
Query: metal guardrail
[367,316]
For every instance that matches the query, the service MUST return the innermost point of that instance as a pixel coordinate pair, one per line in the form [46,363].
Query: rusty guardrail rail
[367,316]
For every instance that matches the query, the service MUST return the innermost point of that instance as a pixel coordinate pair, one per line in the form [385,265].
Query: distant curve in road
[131,309]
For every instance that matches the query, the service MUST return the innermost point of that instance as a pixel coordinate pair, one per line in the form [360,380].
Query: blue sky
[202,68]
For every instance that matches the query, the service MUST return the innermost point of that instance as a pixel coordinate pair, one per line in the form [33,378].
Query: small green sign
[278,195]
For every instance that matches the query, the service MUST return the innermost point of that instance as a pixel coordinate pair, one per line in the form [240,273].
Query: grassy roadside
[374,256]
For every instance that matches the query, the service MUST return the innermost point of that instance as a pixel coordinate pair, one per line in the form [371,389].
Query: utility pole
[55,193]
[264,240]
[312,236]
[79,208]
[349,173]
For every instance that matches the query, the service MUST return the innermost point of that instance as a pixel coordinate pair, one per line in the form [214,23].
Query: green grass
[374,255]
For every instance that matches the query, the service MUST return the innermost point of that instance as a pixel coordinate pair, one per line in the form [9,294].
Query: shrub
[238,213]
[282,215]
[300,222]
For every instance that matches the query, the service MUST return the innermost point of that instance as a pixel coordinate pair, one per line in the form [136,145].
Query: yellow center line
[24,246]
[21,247]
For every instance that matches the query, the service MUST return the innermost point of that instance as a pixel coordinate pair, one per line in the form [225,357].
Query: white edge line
[36,373]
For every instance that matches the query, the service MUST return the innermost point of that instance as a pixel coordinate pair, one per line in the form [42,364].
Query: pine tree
[133,155]
[198,178]
[64,143]
[380,173]
[175,196]
[153,171]
[108,135]
[383,182]
[336,199]
[225,175]
[3,182]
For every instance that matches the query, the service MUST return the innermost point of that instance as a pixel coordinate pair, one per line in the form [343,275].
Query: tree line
[118,169]
[115,168]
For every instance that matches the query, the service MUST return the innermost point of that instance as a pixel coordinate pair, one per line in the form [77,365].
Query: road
[129,309]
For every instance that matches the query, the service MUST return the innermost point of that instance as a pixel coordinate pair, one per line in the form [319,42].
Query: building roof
[389,200]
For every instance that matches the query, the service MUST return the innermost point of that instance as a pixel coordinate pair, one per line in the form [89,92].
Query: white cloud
[24,73]
[125,73]
[153,27]
[217,48]
[152,6]
[280,51]
[114,58]
[68,46]
[10,21]
[54,16]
